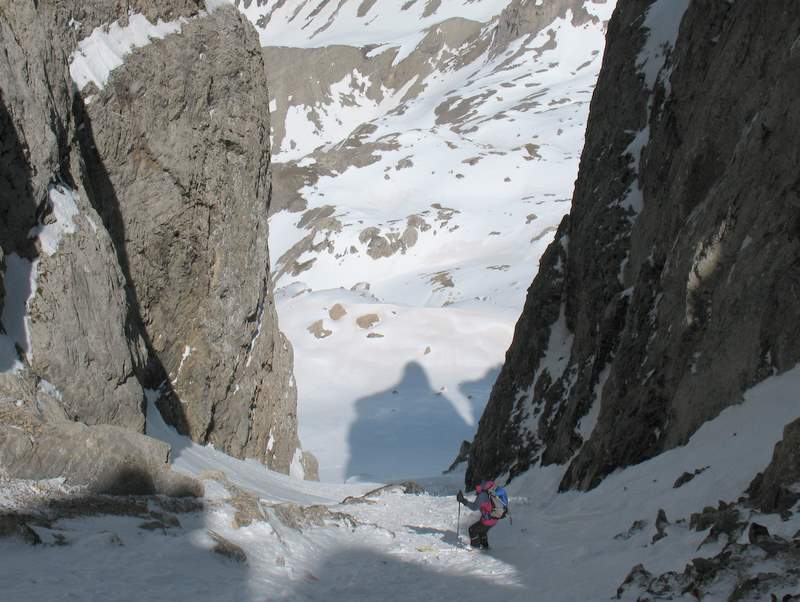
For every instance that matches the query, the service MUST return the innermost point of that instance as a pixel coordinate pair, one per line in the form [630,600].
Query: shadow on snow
[368,575]
[411,430]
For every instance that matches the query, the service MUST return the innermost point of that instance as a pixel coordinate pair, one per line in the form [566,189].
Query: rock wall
[134,238]
[185,186]
[77,316]
[672,285]
[774,490]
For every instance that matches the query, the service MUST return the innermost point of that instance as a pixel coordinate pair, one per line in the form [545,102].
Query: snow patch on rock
[108,45]
[63,201]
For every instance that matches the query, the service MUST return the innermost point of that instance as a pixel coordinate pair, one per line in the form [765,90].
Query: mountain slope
[424,155]
[673,526]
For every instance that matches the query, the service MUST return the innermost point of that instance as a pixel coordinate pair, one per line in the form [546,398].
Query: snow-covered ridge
[107,47]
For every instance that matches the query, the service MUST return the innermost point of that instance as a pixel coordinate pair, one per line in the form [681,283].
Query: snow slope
[560,547]
[437,160]
[390,23]
[398,404]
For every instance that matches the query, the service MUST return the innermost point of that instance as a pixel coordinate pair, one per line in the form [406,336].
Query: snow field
[491,185]
[389,23]
[560,547]
[396,399]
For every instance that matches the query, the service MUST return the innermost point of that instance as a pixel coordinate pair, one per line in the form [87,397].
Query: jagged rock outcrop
[134,244]
[736,572]
[523,18]
[670,287]
[774,490]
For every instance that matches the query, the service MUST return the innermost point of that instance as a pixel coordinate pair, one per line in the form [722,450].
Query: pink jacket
[483,504]
[486,510]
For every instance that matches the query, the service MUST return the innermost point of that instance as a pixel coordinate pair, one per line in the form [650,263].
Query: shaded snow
[19,282]
[554,362]
[19,279]
[559,348]
[663,21]
[193,458]
[736,445]
[589,421]
[296,468]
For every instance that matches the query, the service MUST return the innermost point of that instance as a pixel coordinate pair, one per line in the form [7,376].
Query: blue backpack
[499,499]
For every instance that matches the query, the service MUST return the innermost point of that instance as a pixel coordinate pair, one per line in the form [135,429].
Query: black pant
[478,535]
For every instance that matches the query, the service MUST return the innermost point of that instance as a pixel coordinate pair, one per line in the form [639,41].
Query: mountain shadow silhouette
[410,429]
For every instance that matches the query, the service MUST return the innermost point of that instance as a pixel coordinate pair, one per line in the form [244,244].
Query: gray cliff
[185,184]
[134,248]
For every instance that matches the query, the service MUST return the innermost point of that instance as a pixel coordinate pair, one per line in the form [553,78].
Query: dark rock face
[771,490]
[669,288]
[133,248]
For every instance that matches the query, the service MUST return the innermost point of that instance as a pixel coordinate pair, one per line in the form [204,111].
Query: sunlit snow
[106,48]
[489,181]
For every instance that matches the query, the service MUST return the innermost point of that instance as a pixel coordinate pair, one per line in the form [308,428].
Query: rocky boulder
[101,459]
